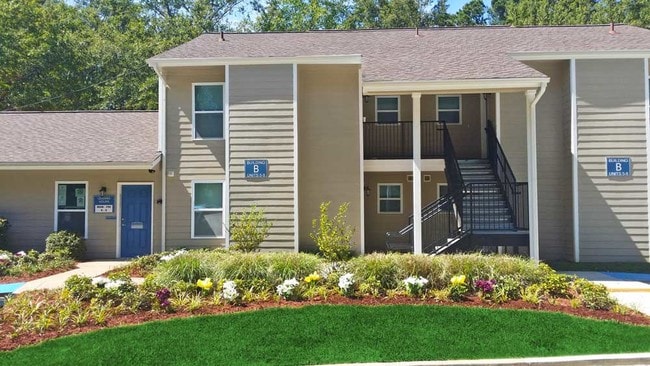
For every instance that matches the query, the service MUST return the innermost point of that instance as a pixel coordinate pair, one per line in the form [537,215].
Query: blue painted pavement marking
[9,288]
[641,277]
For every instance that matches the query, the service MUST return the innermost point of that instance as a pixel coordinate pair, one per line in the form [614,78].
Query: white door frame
[118,235]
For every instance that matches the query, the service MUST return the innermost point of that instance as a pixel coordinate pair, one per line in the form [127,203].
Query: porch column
[417,176]
[531,127]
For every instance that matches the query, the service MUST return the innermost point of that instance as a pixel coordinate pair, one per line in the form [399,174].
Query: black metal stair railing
[394,140]
[516,194]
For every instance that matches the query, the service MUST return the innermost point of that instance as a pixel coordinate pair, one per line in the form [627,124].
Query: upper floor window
[387,109]
[207,112]
[449,109]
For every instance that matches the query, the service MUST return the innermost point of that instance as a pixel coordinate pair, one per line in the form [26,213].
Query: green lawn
[601,267]
[334,334]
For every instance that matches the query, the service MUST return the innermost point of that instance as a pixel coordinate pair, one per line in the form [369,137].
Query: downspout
[162,147]
[533,219]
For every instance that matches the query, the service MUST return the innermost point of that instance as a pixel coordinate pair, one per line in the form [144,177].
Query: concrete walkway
[629,289]
[90,269]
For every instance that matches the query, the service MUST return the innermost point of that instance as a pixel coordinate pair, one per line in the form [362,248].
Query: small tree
[333,236]
[66,244]
[248,229]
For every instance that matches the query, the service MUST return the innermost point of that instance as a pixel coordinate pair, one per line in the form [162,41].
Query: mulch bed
[562,306]
[34,276]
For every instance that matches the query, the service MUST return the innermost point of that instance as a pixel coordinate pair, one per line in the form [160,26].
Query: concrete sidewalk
[629,289]
[90,269]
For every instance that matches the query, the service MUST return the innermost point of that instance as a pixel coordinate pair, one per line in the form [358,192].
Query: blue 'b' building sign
[619,167]
[256,169]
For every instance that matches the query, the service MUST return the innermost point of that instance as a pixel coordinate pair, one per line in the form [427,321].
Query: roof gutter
[453,86]
[580,55]
[158,64]
[145,165]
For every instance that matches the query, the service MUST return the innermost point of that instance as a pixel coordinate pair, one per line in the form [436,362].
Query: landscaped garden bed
[27,266]
[185,283]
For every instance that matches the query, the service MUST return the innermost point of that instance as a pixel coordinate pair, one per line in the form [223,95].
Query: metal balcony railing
[394,140]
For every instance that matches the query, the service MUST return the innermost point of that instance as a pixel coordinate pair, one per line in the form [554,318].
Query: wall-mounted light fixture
[365,99]
[366,190]
[102,191]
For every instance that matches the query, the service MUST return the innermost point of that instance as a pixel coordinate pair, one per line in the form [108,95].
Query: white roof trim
[584,55]
[452,86]
[79,166]
[218,61]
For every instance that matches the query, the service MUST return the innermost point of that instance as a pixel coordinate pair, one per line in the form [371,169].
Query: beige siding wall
[611,122]
[187,158]
[261,127]
[466,136]
[513,133]
[376,224]
[554,163]
[329,151]
[27,199]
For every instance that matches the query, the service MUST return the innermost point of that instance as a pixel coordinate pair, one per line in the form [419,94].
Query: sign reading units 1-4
[256,169]
[104,204]
[619,167]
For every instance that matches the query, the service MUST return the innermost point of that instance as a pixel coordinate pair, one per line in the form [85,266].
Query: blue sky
[454,5]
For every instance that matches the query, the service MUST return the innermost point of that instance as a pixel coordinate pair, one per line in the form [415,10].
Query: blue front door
[135,220]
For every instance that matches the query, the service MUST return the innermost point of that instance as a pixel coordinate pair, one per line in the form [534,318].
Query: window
[207,111]
[387,109]
[449,107]
[390,198]
[442,189]
[207,209]
[70,213]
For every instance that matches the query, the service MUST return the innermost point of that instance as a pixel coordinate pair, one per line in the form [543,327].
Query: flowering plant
[415,285]
[172,255]
[204,284]
[485,288]
[229,292]
[458,287]
[286,289]
[163,296]
[346,284]
[21,254]
[107,283]
[312,278]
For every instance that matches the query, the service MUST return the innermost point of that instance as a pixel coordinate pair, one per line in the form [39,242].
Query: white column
[574,162]
[532,174]
[417,176]
[483,113]
[497,114]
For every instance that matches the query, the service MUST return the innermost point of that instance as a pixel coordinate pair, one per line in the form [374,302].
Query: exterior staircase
[484,203]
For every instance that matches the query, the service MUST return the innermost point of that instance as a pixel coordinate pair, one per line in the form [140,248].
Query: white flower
[229,291]
[346,281]
[21,253]
[100,281]
[172,255]
[4,257]
[418,282]
[286,288]
[115,284]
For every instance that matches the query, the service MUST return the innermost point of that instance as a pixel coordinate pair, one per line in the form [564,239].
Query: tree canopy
[90,54]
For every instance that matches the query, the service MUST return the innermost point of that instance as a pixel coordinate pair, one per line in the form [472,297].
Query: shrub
[4,227]
[333,236]
[248,229]
[377,267]
[80,287]
[66,244]
[556,285]
[593,295]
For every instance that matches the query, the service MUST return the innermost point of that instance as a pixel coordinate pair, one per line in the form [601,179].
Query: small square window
[207,114]
[389,198]
[387,109]
[449,108]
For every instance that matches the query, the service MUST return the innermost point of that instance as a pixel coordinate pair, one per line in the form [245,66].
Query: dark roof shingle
[436,54]
[89,137]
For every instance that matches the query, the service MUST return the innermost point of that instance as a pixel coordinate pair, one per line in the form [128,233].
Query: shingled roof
[116,138]
[434,54]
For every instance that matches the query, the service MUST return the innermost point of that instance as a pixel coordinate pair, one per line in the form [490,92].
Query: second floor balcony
[394,140]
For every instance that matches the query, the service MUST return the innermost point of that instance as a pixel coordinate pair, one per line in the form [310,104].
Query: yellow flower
[205,284]
[458,280]
[312,278]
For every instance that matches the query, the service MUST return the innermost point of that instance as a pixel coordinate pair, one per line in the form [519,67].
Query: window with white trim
[207,111]
[389,198]
[449,108]
[442,189]
[387,109]
[71,207]
[207,209]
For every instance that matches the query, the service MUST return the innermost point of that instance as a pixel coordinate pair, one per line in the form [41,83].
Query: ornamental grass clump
[416,285]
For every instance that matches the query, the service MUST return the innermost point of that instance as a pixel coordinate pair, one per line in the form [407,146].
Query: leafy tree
[472,13]
[301,15]
[440,14]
